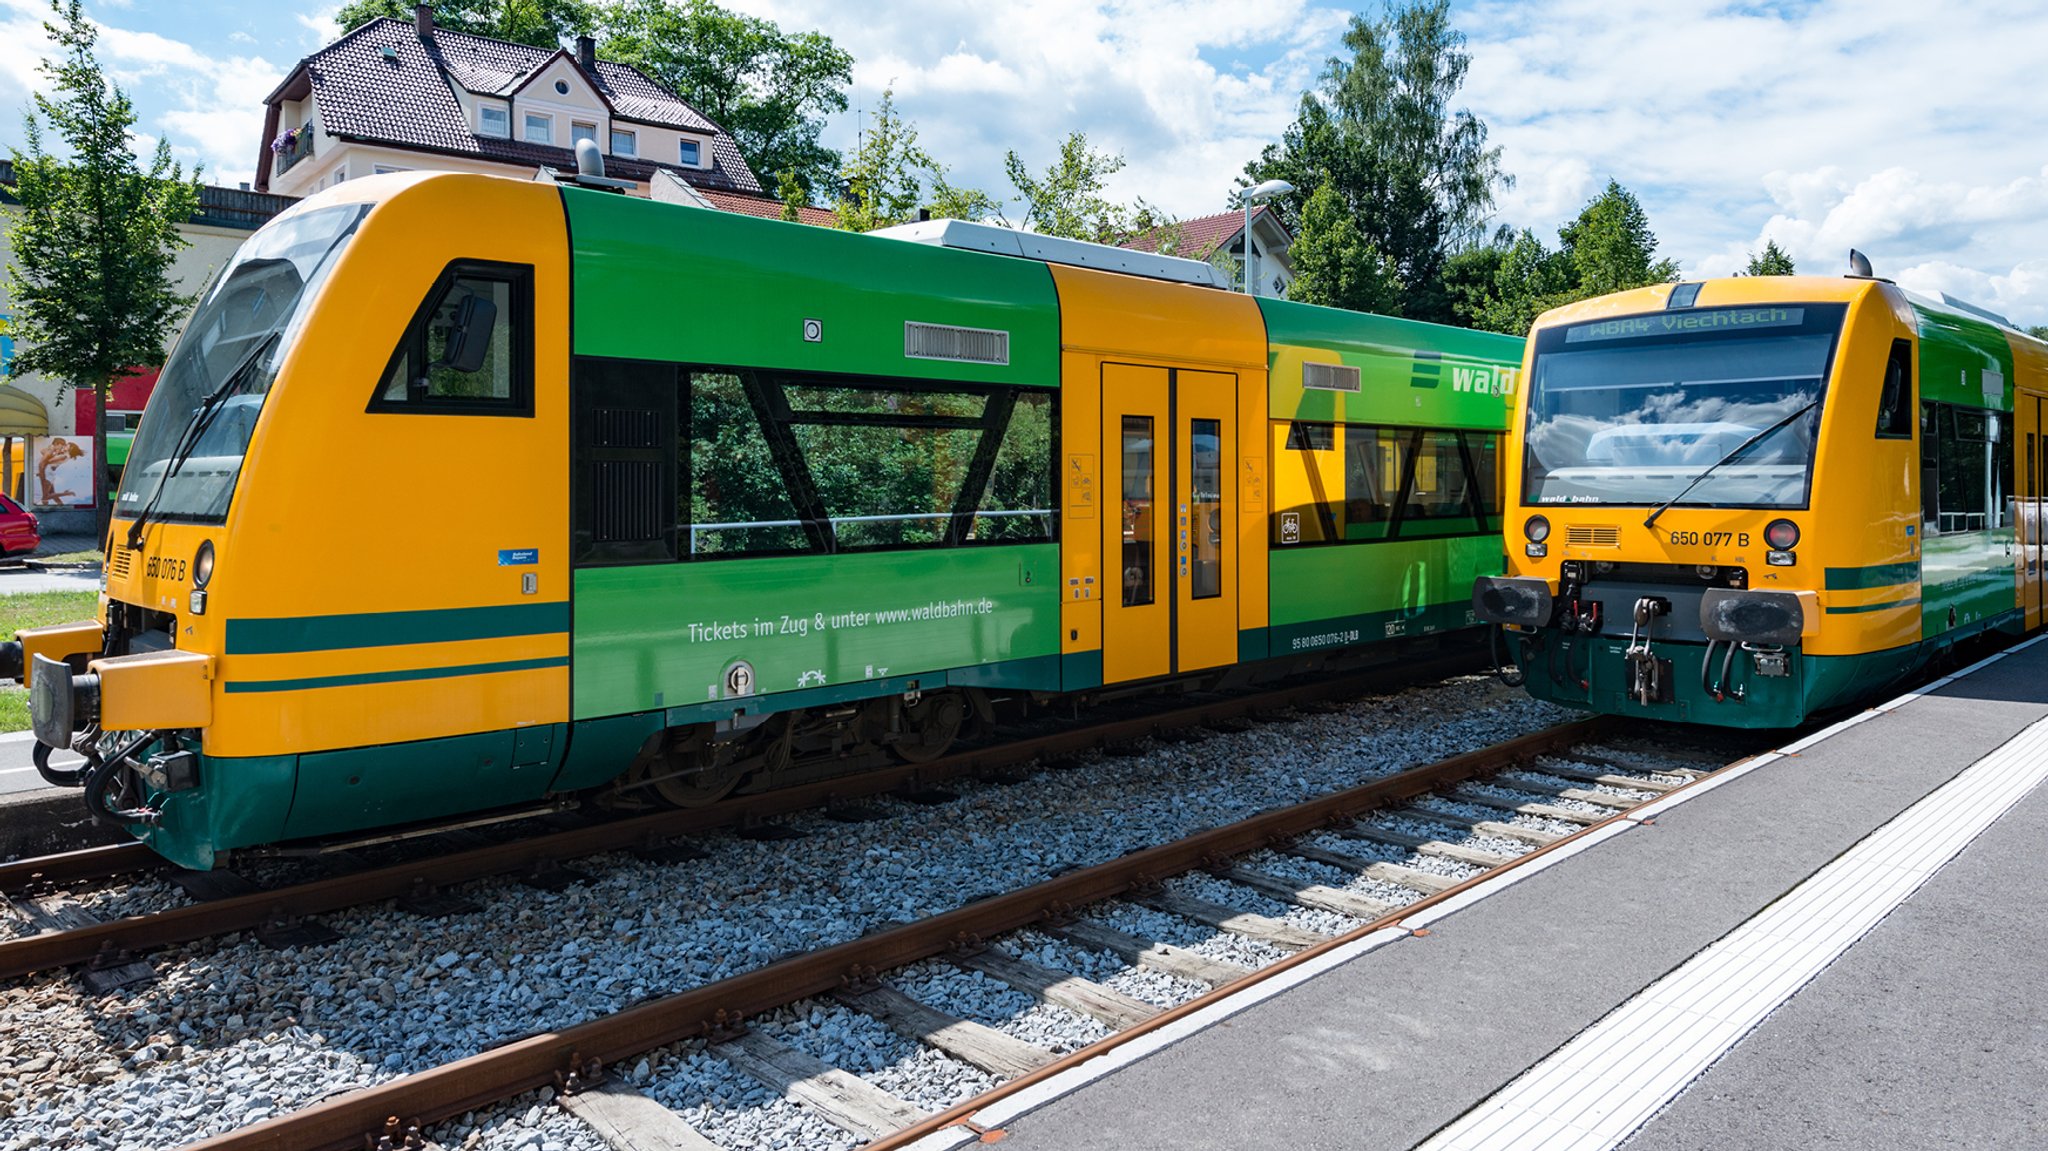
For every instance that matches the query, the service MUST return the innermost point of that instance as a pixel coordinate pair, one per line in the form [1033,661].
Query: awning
[22,414]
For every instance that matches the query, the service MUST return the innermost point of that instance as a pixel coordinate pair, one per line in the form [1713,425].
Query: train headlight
[1536,528]
[202,565]
[1782,535]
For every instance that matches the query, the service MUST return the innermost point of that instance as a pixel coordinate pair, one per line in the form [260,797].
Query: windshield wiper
[201,420]
[1738,450]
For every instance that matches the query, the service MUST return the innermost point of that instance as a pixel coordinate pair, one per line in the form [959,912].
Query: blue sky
[1910,130]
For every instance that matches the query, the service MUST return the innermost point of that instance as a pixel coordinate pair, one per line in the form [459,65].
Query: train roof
[1001,241]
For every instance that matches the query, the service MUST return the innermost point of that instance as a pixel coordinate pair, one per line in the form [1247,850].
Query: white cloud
[1186,90]
[1891,126]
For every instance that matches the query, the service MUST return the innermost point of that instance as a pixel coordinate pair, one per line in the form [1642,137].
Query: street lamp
[1257,195]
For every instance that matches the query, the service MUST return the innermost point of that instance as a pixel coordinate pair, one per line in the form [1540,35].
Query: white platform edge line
[1515,1116]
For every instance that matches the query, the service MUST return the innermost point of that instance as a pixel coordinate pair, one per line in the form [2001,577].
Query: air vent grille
[627,428]
[943,342]
[630,504]
[121,562]
[1576,536]
[1329,377]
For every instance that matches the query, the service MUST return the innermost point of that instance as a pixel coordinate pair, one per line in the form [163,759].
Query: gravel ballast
[400,994]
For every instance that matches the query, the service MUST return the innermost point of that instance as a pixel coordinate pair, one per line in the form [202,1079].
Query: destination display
[1685,323]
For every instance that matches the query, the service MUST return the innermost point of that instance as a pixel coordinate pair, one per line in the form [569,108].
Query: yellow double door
[1169,442]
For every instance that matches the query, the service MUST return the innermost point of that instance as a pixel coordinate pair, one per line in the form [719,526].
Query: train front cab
[1790,579]
[245,688]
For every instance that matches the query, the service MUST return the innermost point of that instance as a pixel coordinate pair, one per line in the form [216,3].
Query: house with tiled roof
[392,96]
[1219,240]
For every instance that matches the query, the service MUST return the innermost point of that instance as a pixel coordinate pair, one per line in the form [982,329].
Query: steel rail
[502,1072]
[36,953]
[77,866]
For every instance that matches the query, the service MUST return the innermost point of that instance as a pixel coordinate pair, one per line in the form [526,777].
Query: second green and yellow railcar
[1741,502]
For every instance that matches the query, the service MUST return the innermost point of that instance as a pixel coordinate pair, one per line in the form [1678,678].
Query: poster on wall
[61,471]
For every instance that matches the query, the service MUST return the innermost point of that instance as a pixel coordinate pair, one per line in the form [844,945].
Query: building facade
[393,96]
[1220,240]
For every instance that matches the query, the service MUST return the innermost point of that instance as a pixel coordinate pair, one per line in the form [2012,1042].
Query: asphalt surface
[21,579]
[17,773]
[1933,1031]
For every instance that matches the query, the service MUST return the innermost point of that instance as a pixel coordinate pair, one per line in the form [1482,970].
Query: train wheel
[710,771]
[930,726]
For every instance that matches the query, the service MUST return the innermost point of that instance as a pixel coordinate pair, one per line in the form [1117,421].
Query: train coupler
[1649,678]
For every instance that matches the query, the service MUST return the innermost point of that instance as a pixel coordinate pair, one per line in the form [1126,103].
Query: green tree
[1415,176]
[2039,331]
[1772,261]
[1336,264]
[94,242]
[770,89]
[1068,199]
[1504,286]
[541,23]
[885,182]
[1610,246]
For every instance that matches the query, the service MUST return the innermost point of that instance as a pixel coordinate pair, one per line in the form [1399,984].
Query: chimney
[586,53]
[423,20]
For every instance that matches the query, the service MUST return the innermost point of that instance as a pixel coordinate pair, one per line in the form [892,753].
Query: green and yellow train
[461,493]
[1744,501]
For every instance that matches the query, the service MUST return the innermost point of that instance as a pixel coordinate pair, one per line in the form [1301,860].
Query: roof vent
[1859,265]
[945,342]
[589,171]
[1329,377]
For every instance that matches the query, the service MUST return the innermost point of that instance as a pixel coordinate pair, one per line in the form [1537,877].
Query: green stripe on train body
[393,628]
[1410,372]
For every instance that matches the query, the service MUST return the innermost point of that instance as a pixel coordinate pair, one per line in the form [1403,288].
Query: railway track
[110,952]
[1427,833]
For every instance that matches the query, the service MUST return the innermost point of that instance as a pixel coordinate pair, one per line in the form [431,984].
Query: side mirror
[469,334]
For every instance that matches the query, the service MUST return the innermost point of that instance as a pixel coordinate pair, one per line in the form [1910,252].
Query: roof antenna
[1859,265]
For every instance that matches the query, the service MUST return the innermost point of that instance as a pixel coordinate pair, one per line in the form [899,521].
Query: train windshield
[1632,410]
[189,449]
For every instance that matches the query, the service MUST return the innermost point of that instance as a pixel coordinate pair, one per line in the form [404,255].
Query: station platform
[1836,946]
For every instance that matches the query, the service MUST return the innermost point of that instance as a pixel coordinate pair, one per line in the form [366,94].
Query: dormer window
[624,143]
[693,154]
[494,120]
[540,128]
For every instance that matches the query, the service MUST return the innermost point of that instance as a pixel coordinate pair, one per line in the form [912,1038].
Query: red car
[20,533]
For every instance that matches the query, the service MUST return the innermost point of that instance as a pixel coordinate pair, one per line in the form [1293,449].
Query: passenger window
[1372,480]
[1136,452]
[782,463]
[469,348]
[1206,503]
[739,494]
[1895,402]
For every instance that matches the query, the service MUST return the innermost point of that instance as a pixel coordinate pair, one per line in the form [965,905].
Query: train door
[1171,603]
